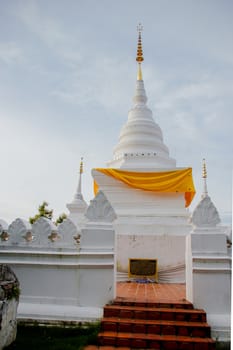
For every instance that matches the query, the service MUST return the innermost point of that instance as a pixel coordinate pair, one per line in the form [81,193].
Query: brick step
[96,347]
[153,313]
[166,304]
[162,327]
[153,341]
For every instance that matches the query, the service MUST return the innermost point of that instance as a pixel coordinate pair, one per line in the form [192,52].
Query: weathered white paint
[8,322]
[8,306]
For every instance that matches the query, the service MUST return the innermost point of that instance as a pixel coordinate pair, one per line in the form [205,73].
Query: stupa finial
[204,171]
[139,57]
[81,166]
[204,176]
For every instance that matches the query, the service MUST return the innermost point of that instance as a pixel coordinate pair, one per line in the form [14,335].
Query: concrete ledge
[55,314]
[220,326]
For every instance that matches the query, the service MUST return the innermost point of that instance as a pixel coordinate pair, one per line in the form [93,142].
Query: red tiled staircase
[150,325]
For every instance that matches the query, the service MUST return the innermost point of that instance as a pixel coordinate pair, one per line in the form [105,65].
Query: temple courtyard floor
[146,292]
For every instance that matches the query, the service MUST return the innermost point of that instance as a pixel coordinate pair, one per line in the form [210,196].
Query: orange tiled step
[162,327]
[154,313]
[168,304]
[96,347]
[154,341]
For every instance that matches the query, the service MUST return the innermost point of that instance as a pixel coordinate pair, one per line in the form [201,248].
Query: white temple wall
[208,284]
[168,250]
[97,285]
[54,284]
[64,274]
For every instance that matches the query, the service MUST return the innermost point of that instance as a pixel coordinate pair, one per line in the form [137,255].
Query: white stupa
[206,215]
[78,206]
[140,143]
[148,193]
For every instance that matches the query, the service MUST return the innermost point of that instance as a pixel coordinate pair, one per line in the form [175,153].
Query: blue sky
[68,75]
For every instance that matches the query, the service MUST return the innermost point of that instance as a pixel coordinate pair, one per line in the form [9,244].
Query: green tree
[60,219]
[42,211]
[47,213]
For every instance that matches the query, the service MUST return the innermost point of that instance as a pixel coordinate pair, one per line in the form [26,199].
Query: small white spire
[78,205]
[204,176]
[205,215]
[78,194]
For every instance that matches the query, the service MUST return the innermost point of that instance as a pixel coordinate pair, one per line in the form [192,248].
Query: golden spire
[139,57]
[81,166]
[204,171]
[204,176]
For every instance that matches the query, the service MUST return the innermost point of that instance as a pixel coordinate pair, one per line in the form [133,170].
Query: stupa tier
[141,143]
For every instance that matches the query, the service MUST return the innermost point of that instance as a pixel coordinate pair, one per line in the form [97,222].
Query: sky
[67,78]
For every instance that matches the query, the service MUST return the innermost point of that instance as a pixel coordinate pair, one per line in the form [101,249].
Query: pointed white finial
[78,205]
[78,194]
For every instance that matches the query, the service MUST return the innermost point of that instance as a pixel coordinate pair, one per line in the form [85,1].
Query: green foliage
[54,338]
[223,345]
[42,211]
[13,293]
[61,218]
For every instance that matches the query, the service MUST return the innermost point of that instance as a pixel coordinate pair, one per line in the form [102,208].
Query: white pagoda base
[149,225]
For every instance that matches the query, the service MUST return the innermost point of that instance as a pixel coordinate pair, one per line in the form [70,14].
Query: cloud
[50,31]
[10,53]
[202,104]
[97,84]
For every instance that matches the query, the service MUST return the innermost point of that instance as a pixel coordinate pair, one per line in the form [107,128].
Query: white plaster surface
[57,312]
[205,214]
[58,275]
[168,250]
[208,279]
[8,322]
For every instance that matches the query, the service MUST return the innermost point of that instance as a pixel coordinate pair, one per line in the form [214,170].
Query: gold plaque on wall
[143,268]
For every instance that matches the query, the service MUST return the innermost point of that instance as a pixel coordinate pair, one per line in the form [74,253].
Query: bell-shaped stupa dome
[141,141]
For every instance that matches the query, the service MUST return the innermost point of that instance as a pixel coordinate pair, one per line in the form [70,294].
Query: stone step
[162,327]
[96,347]
[166,304]
[154,313]
[155,341]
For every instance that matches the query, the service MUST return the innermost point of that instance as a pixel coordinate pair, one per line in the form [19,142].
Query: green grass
[54,338]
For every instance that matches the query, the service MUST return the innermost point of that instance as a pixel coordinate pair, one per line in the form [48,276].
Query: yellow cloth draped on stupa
[161,181]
